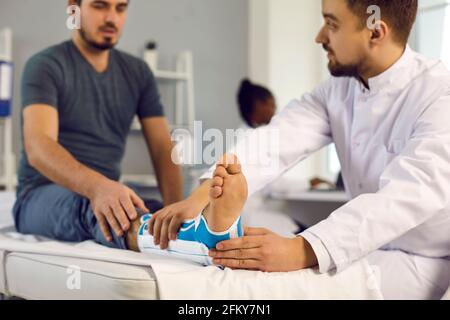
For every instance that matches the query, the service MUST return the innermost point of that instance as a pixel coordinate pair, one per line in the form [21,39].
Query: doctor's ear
[379,32]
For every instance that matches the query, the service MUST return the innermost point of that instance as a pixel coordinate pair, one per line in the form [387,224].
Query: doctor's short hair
[248,95]
[400,15]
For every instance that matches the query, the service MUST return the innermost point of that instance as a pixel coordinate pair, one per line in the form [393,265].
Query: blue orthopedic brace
[194,239]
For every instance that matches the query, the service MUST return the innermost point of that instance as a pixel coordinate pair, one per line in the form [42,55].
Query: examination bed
[37,268]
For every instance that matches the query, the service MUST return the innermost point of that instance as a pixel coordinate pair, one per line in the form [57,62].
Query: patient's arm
[157,136]
[45,154]
[165,223]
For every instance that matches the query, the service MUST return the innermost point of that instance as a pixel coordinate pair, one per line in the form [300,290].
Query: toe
[217,182]
[234,168]
[220,172]
[231,163]
[215,192]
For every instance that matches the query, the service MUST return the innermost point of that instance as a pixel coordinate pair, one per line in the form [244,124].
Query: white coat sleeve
[413,188]
[297,131]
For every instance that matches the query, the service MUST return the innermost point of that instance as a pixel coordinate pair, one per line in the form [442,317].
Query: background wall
[215,30]
[283,55]
[270,41]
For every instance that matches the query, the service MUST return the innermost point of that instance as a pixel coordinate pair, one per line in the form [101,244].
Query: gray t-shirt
[95,109]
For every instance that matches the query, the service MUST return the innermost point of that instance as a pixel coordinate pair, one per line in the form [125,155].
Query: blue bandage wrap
[197,230]
[210,239]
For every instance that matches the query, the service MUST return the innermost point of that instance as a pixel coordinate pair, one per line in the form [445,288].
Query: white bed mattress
[40,276]
[34,276]
[53,270]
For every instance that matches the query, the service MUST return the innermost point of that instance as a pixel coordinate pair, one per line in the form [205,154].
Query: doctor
[387,109]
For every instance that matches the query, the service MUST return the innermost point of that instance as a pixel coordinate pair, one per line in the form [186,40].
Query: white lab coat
[256,214]
[393,142]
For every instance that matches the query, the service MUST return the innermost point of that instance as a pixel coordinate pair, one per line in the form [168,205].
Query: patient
[219,221]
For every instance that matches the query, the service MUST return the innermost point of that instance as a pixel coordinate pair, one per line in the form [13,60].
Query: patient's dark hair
[400,15]
[248,95]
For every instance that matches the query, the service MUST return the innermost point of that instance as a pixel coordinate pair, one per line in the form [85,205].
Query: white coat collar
[394,76]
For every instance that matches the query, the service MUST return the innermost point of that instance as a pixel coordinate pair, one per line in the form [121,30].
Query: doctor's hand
[115,204]
[165,223]
[261,249]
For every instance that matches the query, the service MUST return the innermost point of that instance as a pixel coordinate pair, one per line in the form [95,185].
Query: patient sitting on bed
[219,221]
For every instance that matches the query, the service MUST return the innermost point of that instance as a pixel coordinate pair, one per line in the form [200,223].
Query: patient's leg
[132,235]
[227,195]
[55,212]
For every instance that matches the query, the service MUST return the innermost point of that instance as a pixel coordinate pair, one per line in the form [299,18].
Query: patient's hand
[114,204]
[165,223]
[261,249]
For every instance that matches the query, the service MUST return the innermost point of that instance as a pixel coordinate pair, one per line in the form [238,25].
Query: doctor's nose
[321,37]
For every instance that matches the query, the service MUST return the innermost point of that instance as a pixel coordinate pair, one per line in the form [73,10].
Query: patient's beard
[107,45]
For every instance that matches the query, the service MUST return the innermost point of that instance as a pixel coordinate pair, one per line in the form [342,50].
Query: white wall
[215,30]
[259,41]
[433,29]
[283,55]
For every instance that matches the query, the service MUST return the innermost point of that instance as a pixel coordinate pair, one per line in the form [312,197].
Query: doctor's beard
[341,70]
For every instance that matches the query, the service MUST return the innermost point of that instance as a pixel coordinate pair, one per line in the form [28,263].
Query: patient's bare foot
[227,195]
[132,235]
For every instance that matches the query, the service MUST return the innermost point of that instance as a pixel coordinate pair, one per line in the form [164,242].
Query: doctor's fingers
[246,242]
[239,264]
[238,254]
[256,231]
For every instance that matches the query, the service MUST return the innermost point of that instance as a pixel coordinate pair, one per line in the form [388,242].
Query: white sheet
[202,283]
[357,282]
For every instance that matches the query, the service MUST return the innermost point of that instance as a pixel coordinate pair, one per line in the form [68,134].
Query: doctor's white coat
[393,142]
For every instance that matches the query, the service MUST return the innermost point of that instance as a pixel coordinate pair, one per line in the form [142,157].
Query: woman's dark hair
[248,95]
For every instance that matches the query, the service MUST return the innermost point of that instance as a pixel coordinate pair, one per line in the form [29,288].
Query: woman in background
[256,104]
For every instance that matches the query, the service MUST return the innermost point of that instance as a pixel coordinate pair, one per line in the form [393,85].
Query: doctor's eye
[331,25]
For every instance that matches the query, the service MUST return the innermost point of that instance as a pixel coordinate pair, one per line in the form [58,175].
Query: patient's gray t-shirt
[95,109]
